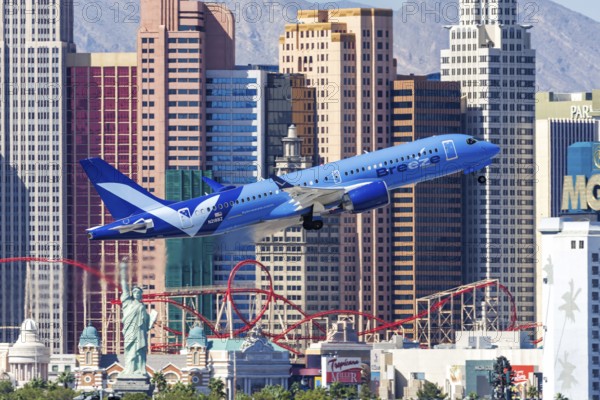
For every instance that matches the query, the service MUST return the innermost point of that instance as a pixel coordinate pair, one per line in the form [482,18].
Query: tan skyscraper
[177,41]
[347,55]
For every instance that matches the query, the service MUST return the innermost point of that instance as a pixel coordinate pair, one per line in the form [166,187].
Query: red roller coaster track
[270,297]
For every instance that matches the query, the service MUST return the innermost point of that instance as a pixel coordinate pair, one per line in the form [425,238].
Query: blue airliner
[357,184]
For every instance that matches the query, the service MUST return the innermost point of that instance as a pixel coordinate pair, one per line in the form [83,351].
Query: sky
[591,8]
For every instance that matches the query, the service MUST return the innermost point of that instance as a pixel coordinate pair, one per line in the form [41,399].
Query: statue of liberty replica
[136,324]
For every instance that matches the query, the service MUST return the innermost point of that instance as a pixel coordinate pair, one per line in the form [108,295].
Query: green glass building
[189,260]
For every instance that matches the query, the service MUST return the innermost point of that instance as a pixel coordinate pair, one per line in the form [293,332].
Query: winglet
[281,183]
[216,186]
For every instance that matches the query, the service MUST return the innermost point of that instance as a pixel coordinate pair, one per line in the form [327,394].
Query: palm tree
[431,391]
[217,388]
[532,392]
[560,396]
[37,383]
[66,378]
[158,379]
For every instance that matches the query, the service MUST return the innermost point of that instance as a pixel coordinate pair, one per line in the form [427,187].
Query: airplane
[356,184]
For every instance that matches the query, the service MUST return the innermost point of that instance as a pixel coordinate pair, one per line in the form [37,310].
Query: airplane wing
[318,198]
[259,231]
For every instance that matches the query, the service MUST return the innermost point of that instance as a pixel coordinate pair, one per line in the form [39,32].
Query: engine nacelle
[366,198]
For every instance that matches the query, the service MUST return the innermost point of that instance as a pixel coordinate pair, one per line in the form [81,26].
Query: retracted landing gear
[311,223]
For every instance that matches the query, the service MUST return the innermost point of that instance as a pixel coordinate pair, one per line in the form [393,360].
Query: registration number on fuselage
[416,164]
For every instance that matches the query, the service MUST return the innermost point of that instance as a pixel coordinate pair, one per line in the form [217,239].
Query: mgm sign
[580,193]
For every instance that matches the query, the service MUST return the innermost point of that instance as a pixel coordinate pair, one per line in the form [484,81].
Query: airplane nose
[492,149]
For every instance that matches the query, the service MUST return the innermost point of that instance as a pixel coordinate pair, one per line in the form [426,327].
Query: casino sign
[581,193]
[342,370]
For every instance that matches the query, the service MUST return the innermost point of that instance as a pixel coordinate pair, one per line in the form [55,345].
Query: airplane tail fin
[122,196]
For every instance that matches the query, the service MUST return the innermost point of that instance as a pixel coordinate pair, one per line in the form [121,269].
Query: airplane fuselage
[266,200]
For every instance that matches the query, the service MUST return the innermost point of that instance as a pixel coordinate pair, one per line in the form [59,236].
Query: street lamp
[101,391]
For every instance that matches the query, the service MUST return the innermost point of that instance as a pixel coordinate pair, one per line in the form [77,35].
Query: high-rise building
[235,125]
[189,260]
[247,110]
[33,52]
[173,52]
[426,218]
[490,54]
[304,265]
[561,120]
[101,107]
[571,303]
[177,42]
[347,56]
[236,131]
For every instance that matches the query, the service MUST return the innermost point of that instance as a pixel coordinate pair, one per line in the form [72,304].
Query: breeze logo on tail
[357,184]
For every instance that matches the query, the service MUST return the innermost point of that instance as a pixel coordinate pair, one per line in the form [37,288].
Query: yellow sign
[581,195]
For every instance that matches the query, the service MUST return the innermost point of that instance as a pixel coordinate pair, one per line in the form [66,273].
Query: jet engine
[365,198]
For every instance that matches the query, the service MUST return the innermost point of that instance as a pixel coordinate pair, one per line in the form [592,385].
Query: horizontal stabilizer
[139,227]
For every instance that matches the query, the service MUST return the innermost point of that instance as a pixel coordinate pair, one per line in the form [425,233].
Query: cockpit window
[471,141]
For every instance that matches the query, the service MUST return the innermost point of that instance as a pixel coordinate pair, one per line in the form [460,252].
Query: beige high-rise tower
[177,41]
[347,55]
